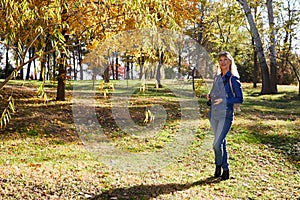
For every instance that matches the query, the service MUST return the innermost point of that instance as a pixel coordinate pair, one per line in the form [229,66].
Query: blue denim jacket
[224,92]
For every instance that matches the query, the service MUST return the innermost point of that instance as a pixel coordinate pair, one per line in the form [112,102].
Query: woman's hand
[208,97]
[218,101]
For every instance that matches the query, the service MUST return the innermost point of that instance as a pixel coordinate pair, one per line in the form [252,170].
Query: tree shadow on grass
[146,192]
[283,106]
[286,144]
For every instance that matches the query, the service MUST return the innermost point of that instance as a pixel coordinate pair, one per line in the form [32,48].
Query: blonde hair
[233,67]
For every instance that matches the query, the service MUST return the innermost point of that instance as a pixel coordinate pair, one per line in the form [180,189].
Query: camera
[208,103]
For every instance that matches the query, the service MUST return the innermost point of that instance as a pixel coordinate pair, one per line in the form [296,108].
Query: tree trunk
[131,71]
[17,64]
[179,65]
[201,24]
[266,84]
[193,78]
[80,61]
[117,67]
[6,70]
[21,74]
[111,64]
[48,67]
[62,72]
[74,65]
[31,54]
[273,67]
[141,71]
[43,66]
[287,45]
[141,61]
[60,94]
[158,75]
[113,69]
[106,75]
[255,69]
[54,64]
[127,69]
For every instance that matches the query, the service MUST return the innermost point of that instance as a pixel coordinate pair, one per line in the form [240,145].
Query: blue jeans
[221,122]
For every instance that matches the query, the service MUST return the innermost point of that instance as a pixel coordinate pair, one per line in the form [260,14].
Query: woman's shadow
[146,192]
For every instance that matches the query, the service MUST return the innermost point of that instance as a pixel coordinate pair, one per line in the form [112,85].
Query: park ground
[42,156]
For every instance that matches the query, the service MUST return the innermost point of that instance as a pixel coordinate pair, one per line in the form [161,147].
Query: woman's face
[224,63]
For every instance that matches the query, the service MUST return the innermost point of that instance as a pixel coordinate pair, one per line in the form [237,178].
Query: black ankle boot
[225,175]
[217,171]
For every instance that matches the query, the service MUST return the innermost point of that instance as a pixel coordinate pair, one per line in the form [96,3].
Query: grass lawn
[43,157]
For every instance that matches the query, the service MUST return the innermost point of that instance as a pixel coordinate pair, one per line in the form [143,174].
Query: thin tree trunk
[60,93]
[80,61]
[266,84]
[158,75]
[62,72]
[113,68]
[74,64]
[117,67]
[255,69]
[273,67]
[131,71]
[106,75]
[43,66]
[255,62]
[47,67]
[17,63]
[34,70]
[141,70]
[21,74]
[6,70]
[179,65]
[201,24]
[287,44]
[127,69]
[141,61]
[30,52]
[54,63]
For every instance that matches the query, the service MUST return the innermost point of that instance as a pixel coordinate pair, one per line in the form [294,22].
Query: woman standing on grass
[226,91]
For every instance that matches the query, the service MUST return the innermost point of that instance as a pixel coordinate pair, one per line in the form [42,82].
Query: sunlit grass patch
[44,158]
[31,150]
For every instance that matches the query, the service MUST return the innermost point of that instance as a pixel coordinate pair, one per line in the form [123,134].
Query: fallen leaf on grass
[34,164]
